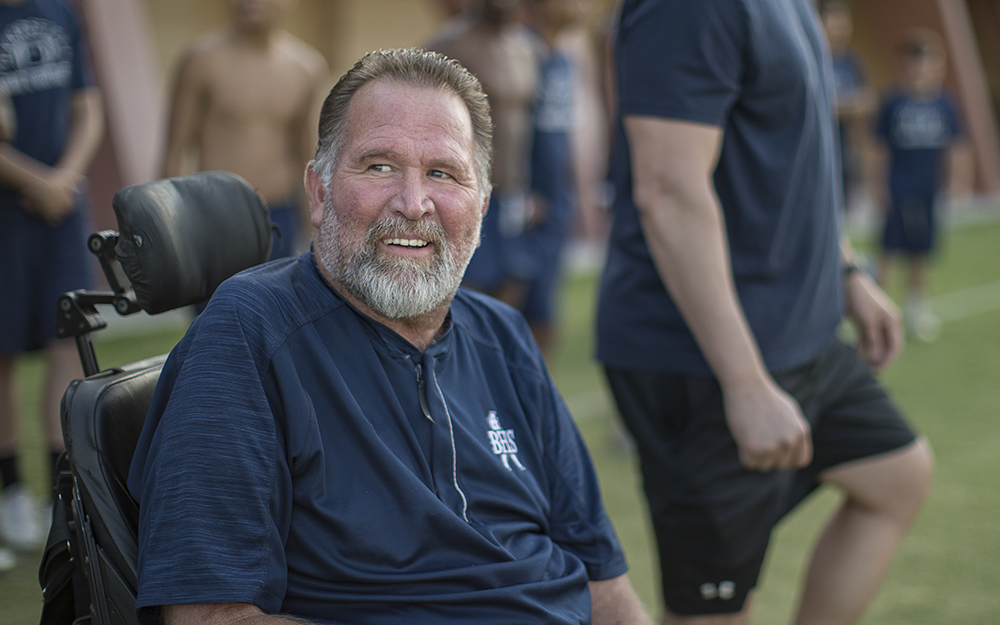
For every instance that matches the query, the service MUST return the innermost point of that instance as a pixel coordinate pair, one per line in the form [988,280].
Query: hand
[768,427]
[535,210]
[54,196]
[875,318]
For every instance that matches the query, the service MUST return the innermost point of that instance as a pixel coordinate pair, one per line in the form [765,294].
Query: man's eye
[437,173]
[380,167]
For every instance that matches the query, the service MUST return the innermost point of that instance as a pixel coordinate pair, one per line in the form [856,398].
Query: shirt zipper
[454,454]
[422,392]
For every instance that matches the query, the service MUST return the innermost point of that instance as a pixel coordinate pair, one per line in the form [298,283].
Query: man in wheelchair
[348,436]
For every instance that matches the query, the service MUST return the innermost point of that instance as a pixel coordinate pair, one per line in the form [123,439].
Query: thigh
[851,414]
[712,518]
[17,261]
[38,263]
[67,265]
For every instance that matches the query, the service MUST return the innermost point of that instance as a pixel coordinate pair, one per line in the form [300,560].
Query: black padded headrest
[179,238]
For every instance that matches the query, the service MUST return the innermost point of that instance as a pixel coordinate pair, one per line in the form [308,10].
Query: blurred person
[54,132]
[245,101]
[499,51]
[454,8]
[583,43]
[459,15]
[8,120]
[8,125]
[854,97]
[349,436]
[553,176]
[725,283]
[918,128]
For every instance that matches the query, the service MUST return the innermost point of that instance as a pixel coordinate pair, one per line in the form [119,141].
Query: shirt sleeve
[204,476]
[578,522]
[681,60]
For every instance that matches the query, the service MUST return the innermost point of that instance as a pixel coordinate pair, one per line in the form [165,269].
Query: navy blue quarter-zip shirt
[302,457]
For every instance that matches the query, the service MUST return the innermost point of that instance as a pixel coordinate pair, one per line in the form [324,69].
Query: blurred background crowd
[545,66]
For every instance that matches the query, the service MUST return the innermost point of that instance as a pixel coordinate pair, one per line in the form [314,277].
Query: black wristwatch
[851,268]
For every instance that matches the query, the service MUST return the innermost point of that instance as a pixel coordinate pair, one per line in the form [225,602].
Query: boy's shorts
[38,263]
[711,516]
[910,225]
[500,256]
[284,241]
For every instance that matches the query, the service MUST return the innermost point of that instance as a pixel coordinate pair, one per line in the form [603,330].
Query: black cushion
[179,238]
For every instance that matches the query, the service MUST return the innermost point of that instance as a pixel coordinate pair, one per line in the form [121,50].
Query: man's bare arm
[682,221]
[187,113]
[86,129]
[8,119]
[875,317]
[614,602]
[223,614]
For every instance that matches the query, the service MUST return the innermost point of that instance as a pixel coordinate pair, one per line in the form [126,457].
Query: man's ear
[316,192]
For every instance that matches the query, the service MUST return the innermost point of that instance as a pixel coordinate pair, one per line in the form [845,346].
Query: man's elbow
[614,602]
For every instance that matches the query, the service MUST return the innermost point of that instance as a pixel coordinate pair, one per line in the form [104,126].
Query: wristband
[851,268]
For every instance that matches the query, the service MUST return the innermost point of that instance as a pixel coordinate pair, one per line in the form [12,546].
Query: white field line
[948,307]
[967,302]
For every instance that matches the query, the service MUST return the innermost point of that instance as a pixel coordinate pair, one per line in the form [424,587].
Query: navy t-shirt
[304,458]
[42,62]
[759,70]
[918,131]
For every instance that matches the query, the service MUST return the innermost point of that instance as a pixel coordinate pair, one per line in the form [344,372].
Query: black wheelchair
[177,240]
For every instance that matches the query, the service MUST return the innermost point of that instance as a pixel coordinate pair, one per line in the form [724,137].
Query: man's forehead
[400,105]
[389,86]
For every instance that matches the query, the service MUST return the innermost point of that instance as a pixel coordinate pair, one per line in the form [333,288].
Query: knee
[922,470]
[908,482]
[893,485]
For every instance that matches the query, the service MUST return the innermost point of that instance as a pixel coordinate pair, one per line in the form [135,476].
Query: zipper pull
[422,393]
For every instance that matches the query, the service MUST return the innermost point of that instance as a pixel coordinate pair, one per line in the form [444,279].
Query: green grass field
[948,569]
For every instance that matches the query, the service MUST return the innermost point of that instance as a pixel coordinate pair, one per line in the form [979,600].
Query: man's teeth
[406,242]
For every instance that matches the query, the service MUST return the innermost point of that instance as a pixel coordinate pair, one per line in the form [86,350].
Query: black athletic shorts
[712,517]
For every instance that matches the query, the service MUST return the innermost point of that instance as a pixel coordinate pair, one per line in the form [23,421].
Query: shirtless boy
[245,101]
[497,49]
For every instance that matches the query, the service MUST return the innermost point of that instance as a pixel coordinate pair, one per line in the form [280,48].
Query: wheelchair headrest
[179,238]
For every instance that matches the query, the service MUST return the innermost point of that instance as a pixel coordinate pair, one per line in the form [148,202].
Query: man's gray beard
[394,287]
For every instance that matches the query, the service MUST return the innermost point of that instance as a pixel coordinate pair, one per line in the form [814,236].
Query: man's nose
[412,201]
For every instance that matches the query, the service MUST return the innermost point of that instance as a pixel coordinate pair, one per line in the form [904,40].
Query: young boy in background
[918,127]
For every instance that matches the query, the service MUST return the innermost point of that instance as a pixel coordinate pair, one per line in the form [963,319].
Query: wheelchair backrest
[102,417]
[178,240]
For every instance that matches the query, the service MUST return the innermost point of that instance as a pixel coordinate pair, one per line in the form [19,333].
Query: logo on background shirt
[919,125]
[35,55]
[502,442]
[725,591]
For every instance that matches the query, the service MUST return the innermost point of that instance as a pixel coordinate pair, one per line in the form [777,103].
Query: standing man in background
[498,50]
[855,100]
[553,175]
[725,282]
[246,101]
[54,132]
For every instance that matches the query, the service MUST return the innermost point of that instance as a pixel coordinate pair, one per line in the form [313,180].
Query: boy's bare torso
[249,110]
[506,66]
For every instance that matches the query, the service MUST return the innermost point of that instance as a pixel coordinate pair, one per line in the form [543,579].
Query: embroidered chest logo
[502,442]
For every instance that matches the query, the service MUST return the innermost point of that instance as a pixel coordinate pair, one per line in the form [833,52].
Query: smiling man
[349,437]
